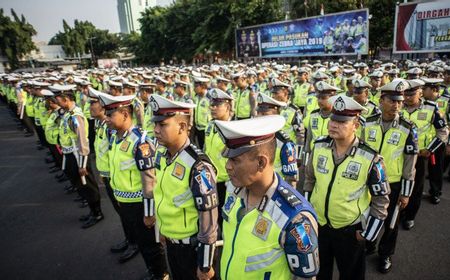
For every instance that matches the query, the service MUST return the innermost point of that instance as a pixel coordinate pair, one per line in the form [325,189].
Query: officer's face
[62,102]
[169,130]
[430,93]
[323,103]
[390,108]
[280,95]
[375,82]
[412,97]
[360,95]
[128,91]
[96,109]
[220,110]
[116,91]
[117,119]
[242,170]
[342,130]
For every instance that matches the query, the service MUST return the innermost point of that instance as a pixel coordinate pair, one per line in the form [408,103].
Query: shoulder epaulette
[405,122]
[315,111]
[289,195]
[323,139]
[373,118]
[282,136]
[363,146]
[293,107]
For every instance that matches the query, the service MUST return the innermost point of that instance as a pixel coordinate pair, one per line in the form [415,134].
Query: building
[130,11]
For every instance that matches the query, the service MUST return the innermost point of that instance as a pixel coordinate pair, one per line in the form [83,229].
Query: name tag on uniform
[124,146]
[178,171]
[352,171]
[422,116]
[262,227]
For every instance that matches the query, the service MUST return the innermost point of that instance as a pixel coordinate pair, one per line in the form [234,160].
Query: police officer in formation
[194,158]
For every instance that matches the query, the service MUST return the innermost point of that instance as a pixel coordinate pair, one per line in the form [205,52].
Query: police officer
[375,82]
[73,138]
[132,177]
[180,91]
[301,89]
[316,123]
[184,201]
[349,190]
[436,167]
[51,127]
[244,96]
[361,95]
[202,115]
[221,110]
[129,88]
[395,139]
[269,229]
[294,125]
[286,154]
[432,133]
[161,88]
[145,91]
[115,88]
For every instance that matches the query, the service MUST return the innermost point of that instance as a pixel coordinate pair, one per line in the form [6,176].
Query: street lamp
[92,49]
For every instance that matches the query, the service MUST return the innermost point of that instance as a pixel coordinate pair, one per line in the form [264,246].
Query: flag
[321,10]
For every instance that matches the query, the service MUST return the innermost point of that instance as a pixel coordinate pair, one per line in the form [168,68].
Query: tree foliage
[190,27]
[16,37]
[77,40]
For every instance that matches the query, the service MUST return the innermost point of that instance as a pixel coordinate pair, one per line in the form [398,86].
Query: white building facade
[130,12]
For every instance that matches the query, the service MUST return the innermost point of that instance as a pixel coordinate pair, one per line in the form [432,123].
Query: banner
[422,27]
[108,63]
[345,33]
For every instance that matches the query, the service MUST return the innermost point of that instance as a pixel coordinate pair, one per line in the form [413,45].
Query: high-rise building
[130,11]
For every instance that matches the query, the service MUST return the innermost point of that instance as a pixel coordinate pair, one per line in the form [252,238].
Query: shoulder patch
[405,122]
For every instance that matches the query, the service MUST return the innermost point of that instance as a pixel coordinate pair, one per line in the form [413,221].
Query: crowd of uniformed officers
[246,171]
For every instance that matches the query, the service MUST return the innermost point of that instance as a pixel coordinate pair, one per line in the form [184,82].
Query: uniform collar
[243,194]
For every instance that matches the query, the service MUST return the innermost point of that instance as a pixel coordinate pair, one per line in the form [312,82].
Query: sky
[46,15]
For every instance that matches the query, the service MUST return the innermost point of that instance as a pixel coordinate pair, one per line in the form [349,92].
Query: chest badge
[262,227]
[352,171]
[124,146]
[394,139]
[178,171]
[372,135]
[322,164]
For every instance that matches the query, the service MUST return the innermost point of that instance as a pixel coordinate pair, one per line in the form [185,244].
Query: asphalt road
[41,238]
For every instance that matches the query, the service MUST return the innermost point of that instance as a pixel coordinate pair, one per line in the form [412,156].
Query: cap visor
[232,153]
[159,118]
[394,97]
[341,118]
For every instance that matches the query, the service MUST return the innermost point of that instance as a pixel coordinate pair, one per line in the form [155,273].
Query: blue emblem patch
[229,203]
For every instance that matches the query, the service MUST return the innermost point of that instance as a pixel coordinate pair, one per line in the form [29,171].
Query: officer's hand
[447,150]
[359,236]
[205,275]
[424,153]
[83,171]
[403,201]
[162,239]
[149,221]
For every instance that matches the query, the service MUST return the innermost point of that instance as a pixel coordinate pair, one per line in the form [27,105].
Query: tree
[77,40]
[16,37]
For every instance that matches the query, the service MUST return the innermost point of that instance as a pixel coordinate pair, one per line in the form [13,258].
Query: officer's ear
[263,161]
[356,122]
